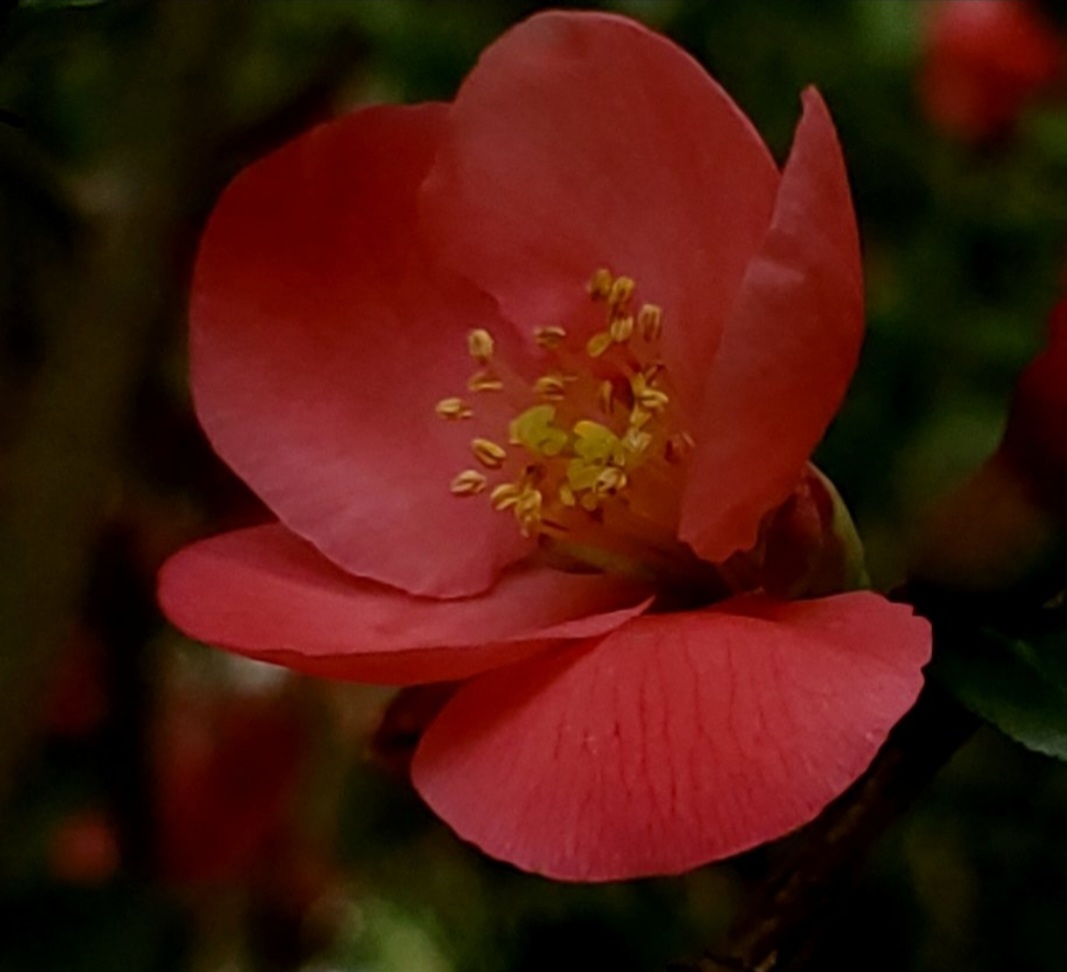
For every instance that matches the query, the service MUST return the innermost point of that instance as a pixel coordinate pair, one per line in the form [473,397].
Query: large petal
[788,353]
[268,594]
[677,739]
[583,140]
[322,337]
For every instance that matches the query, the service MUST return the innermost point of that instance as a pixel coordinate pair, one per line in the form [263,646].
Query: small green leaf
[1020,686]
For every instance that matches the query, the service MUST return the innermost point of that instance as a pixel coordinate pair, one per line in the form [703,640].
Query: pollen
[550,338]
[470,482]
[453,408]
[488,453]
[480,345]
[590,440]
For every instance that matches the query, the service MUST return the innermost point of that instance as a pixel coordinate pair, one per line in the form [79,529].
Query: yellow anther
[535,431]
[636,441]
[610,481]
[505,496]
[566,495]
[605,397]
[453,408]
[550,338]
[528,510]
[480,345]
[678,447]
[650,321]
[649,398]
[598,344]
[470,482]
[550,387]
[600,283]
[622,289]
[488,453]
[639,417]
[484,381]
[621,328]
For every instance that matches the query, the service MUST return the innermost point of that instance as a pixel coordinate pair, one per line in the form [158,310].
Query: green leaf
[1018,685]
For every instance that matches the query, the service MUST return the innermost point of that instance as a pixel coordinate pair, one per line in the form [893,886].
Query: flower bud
[810,544]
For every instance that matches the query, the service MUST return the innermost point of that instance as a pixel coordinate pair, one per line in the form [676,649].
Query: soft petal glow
[268,594]
[677,739]
[584,140]
[323,335]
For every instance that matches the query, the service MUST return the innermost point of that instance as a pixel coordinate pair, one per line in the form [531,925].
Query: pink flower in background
[524,378]
[985,60]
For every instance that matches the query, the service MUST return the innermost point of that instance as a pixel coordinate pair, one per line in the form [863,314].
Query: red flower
[551,520]
[985,59]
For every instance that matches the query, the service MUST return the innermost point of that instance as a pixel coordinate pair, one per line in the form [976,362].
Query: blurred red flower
[524,378]
[1035,440]
[984,61]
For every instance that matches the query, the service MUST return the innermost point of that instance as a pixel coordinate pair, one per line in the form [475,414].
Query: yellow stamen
[551,387]
[480,345]
[505,496]
[470,482]
[488,453]
[650,322]
[610,481]
[622,289]
[605,397]
[621,328]
[598,344]
[483,381]
[649,398]
[600,284]
[550,338]
[453,409]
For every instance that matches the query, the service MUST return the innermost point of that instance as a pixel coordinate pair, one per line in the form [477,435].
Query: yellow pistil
[488,453]
[536,431]
[470,482]
[453,409]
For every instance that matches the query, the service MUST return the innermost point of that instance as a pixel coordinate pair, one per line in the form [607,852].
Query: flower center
[590,460]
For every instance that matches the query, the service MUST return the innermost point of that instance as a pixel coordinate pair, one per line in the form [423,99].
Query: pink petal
[788,353]
[676,739]
[265,593]
[583,140]
[323,336]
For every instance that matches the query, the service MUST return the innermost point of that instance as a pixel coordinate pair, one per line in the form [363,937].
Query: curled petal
[323,336]
[581,141]
[267,594]
[788,353]
[674,740]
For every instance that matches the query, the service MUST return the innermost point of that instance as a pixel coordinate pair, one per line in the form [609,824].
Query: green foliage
[1019,684]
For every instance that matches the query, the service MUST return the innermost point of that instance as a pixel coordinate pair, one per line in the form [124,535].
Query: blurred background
[164,807]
